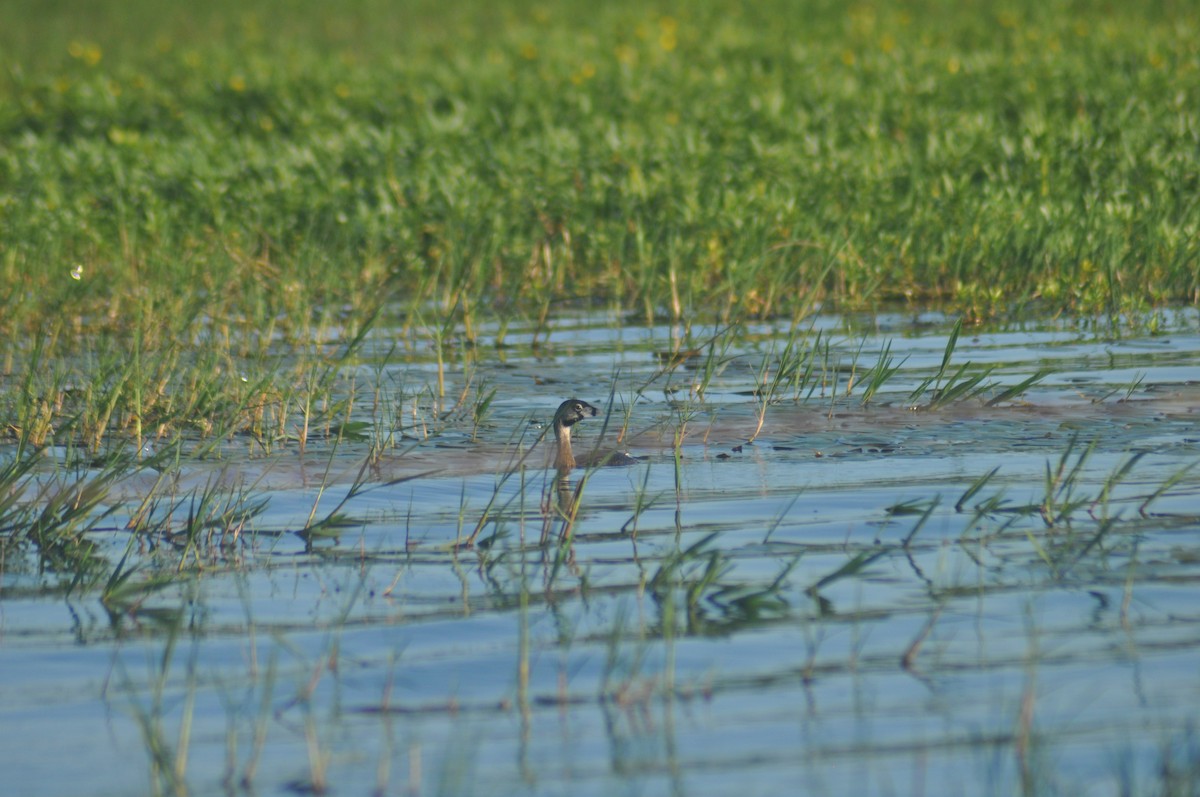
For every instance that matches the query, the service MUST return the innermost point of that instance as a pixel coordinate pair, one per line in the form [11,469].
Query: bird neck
[563,459]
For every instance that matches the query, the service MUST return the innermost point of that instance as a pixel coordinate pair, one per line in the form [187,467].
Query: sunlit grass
[743,161]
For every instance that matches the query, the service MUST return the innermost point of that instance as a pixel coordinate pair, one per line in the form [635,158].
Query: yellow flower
[237,83]
[667,27]
[585,73]
[87,52]
[122,137]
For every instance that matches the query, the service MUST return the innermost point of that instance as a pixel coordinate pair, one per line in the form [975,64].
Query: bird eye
[578,407]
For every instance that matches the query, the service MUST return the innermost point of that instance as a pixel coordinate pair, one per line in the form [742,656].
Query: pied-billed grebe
[571,412]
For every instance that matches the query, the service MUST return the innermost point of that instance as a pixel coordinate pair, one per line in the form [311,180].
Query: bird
[569,413]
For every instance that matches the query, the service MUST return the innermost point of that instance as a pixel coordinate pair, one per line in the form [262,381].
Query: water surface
[839,598]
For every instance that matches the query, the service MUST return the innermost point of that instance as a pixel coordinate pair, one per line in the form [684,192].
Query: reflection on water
[871,597]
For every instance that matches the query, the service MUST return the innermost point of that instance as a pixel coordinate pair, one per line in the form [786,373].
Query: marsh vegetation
[895,303]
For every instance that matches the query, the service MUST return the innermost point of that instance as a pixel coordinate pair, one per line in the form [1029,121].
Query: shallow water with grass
[288,300]
[864,555]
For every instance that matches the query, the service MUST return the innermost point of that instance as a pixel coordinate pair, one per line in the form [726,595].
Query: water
[830,607]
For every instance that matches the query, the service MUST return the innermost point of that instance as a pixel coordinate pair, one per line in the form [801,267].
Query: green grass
[278,161]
